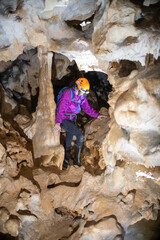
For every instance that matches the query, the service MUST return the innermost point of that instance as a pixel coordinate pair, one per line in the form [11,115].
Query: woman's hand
[57,127]
[101,117]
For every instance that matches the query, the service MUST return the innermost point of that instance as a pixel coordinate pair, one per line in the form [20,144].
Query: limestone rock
[9,106]
[117,187]
[17,156]
[120,16]
[95,132]
[36,205]
[46,141]
[4,214]
[80,10]
[2,159]
[104,229]
[134,133]
[27,124]
[61,65]
[35,31]
[149,2]
[12,226]
[14,155]
[45,116]
[47,178]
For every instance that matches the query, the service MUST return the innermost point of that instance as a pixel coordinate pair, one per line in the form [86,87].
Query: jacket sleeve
[63,104]
[88,109]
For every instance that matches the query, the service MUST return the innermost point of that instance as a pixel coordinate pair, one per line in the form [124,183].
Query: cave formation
[44,46]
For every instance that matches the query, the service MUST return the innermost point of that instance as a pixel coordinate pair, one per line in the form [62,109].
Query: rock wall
[118,184]
[44,202]
[134,130]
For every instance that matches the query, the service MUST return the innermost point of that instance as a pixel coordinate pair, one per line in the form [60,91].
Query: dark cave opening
[126,67]
[144,229]
[98,94]
[98,99]
[141,3]
[7,236]
[19,81]
[84,26]
[99,85]
[149,16]
[10,7]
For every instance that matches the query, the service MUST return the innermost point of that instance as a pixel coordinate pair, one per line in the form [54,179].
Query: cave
[113,192]
[7,237]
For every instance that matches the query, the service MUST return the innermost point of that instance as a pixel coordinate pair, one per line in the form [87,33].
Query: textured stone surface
[12,226]
[95,133]
[13,151]
[40,127]
[134,134]
[116,37]
[50,201]
[61,65]
[82,11]
[116,186]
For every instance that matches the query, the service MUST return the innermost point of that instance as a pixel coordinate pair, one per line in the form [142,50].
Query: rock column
[45,140]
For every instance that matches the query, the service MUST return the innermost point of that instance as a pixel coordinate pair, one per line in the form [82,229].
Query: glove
[101,117]
[57,127]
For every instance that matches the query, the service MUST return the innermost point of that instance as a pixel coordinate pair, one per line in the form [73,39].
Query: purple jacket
[66,106]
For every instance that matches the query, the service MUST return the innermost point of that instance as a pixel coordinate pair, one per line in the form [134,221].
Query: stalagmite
[45,140]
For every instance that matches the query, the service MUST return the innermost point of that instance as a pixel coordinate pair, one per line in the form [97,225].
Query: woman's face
[78,92]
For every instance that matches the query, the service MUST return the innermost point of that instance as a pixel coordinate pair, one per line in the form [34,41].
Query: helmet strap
[82,90]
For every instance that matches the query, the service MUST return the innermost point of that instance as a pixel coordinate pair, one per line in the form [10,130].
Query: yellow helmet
[83,85]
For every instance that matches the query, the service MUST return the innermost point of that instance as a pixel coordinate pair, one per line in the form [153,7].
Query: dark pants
[71,130]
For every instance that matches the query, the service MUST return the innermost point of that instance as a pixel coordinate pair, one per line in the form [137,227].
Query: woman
[69,105]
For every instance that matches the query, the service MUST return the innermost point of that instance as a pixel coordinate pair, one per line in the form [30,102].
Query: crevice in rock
[21,163]
[126,67]
[79,25]
[94,170]
[149,17]
[120,163]
[19,81]
[27,173]
[93,223]
[85,26]
[67,184]
[6,236]
[144,229]
[63,212]
[26,213]
[74,216]
[23,190]
[10,7]
[100,85]
[141,3]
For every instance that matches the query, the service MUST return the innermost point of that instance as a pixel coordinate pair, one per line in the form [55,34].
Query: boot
[77,153]
[66,158]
